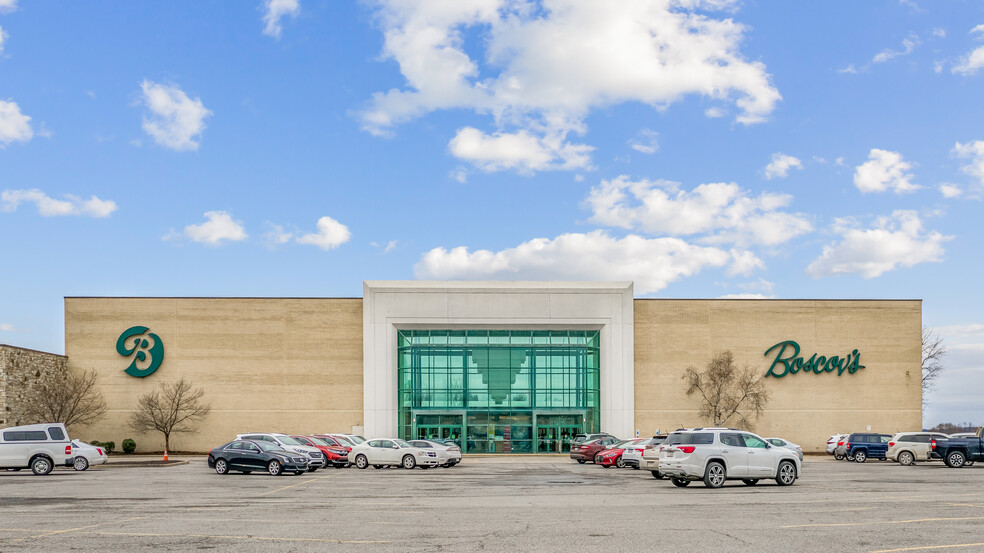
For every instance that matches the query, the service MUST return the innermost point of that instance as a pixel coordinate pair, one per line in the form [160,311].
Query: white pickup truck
[39,447]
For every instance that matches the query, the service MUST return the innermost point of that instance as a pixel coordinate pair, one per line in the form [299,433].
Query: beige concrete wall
[277,364]
[806,408]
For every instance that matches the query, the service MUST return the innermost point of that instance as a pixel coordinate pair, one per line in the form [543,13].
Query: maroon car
[586,451]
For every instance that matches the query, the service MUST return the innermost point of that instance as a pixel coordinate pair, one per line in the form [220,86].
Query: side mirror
[396,447]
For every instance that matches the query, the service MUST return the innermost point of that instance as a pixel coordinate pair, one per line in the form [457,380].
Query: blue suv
[863,445]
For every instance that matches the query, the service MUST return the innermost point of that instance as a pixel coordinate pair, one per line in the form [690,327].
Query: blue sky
[297,147]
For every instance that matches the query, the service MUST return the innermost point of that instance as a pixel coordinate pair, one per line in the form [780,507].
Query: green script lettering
[816,364]
[787,362]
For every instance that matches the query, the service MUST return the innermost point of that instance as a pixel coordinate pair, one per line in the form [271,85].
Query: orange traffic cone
[165,455]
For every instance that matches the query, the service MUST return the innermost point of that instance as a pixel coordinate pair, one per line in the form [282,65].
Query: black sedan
[247,456]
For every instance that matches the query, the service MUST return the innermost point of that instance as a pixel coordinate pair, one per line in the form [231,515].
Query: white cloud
[780,165]
[50,207]
[723,212]
[950,190]
[14,125]
[520,151]
[884,170]
[7,6]
[745,297]
[909,44]
[218,227]
[275,11]
[974,151]
[276,236]
[714,113]
[645,142]
[7,327]
[744,262]
[974,60]
[389,246]
[652,263]
[939,32]
[894,241]
[331,234]
[545,66]
[3,37]
[460,174]
[849,69]
[176,121]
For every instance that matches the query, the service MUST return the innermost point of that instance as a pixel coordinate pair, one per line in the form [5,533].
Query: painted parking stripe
[927,547]
[881,522]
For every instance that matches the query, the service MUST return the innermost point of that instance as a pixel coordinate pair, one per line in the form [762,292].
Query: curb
[136,464]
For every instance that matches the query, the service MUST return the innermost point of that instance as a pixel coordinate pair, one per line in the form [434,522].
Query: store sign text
[789,361]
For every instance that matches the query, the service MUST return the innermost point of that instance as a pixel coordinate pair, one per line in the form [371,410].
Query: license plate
[669,454]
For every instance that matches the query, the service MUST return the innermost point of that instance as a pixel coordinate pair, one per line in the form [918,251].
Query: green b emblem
[137,339]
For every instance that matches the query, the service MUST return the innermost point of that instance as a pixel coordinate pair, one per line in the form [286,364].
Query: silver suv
[716,455]
[316,459]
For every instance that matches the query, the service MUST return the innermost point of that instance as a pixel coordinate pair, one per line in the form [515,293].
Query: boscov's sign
[793,363]
[139,343]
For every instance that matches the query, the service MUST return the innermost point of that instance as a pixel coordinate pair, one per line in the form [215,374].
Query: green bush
[128,446]
[109,446]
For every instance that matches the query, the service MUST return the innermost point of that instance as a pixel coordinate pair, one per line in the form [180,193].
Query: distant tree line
[951,428]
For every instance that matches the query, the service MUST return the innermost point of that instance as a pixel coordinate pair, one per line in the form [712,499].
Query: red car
[337,456]
[612,457]
[586,451]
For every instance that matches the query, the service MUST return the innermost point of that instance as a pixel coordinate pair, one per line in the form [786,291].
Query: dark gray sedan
[247,456]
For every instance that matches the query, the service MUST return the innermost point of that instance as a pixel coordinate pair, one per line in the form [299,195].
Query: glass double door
[439,427]
[512,432]
[554,433]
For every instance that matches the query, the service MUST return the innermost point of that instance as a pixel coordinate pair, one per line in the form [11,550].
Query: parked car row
[42,447]
[277,453]
[905,448]
[713,455]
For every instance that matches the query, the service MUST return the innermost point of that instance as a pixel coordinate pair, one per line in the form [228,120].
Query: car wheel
[247,471]
[221,467]
[619,463]
[80,463]
[714,475]
[41,466]
[680,482]
[750,481]
[424,467]
[839,457]
[275,468]
[312,469]
[786,474]
[361,462]
[581,461]
[860,457]
[657,475]
[905,458]
[409,462]
[299,472]
[969,464]
[377,466]
[956,459]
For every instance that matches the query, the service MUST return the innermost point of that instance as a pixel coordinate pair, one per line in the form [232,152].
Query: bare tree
[933,351]
[73,399]
[172,408]
[729,394]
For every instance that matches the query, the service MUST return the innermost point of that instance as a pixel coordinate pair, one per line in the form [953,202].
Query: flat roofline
[776,299]
[212,297]
[34,350]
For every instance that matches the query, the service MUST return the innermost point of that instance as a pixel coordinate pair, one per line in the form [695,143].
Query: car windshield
[267,446]
[287,440]
[318,441]
[401,443]
[356,439]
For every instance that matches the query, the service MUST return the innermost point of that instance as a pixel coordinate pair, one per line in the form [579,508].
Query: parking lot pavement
[492,504]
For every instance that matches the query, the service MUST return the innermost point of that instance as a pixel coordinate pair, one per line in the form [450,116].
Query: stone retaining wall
[20,370]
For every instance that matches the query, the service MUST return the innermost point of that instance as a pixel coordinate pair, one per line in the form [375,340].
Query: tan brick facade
[805,408]
[296,365]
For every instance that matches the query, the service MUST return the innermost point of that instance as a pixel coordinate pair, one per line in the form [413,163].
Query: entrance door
[555,433]
[438,427]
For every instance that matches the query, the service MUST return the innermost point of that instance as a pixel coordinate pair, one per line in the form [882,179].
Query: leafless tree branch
[172,408]
[728,393]
[72,400]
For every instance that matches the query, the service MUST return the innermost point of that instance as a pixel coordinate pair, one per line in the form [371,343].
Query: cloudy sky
[701,148]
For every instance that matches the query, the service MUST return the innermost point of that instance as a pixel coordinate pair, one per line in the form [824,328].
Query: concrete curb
[135,464]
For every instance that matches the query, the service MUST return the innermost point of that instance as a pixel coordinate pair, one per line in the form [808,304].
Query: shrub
[128,446]
[109,446]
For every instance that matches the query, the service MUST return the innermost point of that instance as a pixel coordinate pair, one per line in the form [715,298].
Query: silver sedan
[779,442]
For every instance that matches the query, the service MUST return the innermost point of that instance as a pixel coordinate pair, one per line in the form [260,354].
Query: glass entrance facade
[499,391]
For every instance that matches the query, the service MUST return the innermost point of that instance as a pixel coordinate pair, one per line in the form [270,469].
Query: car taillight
[932,444]
[641,450]
[68,450]
[848,445]
[99,449]
[687,448]
[840,443]
[890,444]
[585,447]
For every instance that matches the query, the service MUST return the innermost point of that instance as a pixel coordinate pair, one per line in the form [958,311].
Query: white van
[39,447]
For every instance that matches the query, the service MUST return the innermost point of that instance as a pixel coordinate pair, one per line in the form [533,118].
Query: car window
[884,439]
[754,441]
[731,439]
[357,439]
[329,441]
[375,443]
[287,440]
[402,443]
[777,442]
[25,436]
[319,441]
[56,433]
[303,441]
[267,446]
[920,438]
[236,445]
[385,443]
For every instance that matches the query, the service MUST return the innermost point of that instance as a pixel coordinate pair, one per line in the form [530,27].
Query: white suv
[316,459]
[715,455]
[39,447]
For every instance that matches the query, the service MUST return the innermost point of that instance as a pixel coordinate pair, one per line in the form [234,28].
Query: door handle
[751,453]
[724,451]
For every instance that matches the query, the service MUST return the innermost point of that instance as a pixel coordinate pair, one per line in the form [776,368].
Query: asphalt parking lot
[492,504]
